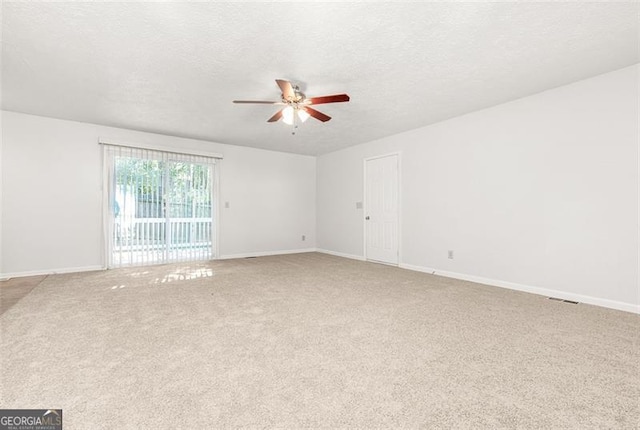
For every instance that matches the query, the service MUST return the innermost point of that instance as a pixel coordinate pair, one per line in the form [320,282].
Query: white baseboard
[265,253]
[341,254]
[605,303]
[7,276]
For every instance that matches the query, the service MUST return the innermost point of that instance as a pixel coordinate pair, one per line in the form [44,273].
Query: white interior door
[381,209]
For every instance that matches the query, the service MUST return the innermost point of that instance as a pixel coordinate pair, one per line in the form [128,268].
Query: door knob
[367,218]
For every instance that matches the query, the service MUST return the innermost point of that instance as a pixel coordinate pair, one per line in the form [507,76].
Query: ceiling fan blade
[287,89]
[263,102]
[276,116]
[328,99]
[316,114]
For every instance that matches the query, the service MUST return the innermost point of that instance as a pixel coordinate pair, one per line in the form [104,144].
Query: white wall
[1,177]
[52,197]
[539,194]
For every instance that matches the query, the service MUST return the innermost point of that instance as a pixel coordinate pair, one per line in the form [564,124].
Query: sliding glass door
[161,207]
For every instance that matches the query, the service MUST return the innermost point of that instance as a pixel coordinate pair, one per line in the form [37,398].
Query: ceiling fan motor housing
[298,96]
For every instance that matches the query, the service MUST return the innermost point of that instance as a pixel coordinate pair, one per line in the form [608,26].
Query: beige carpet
[312,340]
[13,290]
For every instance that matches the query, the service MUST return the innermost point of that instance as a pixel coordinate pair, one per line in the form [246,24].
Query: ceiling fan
[296,104]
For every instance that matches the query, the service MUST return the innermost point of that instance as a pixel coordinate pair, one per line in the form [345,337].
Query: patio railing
[158,239]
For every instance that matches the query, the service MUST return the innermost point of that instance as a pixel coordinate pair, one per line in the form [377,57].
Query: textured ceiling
[174,68]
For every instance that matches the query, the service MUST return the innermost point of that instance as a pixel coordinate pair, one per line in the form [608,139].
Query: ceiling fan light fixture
[303,115]
[287,115]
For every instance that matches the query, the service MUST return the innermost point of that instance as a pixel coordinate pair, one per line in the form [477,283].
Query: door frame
[215,191]
[364,204]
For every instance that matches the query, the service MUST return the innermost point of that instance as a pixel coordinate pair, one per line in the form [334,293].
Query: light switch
[226,205]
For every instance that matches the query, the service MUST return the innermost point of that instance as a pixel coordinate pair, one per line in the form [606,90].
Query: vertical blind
[160,206]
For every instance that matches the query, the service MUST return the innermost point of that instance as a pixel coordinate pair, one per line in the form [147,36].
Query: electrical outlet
[226,205]
[450,255]
[304,237]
